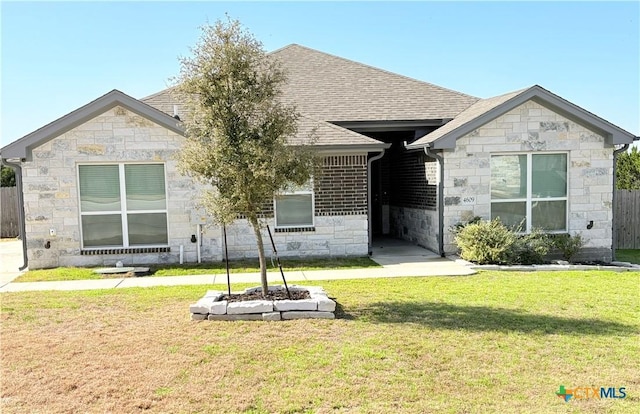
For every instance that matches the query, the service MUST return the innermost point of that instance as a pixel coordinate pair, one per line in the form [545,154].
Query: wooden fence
[9,212]
[627,219]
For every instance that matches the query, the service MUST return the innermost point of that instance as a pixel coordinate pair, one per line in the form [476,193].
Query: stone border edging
[614,267]
[211,307]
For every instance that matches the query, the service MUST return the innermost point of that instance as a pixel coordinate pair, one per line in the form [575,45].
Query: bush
[491,242]
[531,248]
[568,245]
[485,242]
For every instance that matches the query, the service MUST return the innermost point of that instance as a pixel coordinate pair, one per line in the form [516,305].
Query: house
[401,158]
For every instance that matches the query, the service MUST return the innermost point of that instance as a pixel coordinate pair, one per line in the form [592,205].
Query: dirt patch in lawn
[279,294]
[110,354]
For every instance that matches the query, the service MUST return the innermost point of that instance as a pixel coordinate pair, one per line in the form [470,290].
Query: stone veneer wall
[532,127]
[418,226]
[120,136]
[51,192]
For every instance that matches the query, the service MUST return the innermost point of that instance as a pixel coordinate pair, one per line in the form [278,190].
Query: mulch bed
[272,295]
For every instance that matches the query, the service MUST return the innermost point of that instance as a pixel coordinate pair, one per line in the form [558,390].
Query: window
[530,189]
[295,208]
[123,205]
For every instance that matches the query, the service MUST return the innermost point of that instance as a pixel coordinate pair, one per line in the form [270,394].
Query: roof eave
[351,148]
[613,134]
[22,147]
[386,126]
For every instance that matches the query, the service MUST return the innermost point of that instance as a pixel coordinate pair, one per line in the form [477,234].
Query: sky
[58,56]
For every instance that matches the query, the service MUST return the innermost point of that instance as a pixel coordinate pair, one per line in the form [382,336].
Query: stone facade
[419,226]
[532,128]
[332,236]
[51,200]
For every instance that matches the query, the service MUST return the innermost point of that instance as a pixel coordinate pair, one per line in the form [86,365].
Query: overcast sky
[58,56]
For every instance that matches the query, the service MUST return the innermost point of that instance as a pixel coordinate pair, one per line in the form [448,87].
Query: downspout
[21,226]
[369,209]
[613,200]
[440,160]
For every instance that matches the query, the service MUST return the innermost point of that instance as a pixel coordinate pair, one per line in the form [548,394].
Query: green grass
[496,342]
[60,273]
[628,255]
[236,266]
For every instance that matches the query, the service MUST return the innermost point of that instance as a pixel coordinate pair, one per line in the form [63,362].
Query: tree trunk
[263,260]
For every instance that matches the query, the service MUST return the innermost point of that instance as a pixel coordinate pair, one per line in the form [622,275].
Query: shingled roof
[328,135]
[334,89]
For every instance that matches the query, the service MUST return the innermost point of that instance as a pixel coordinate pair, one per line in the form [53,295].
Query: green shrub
[485,242]
[568,245]
[491,242]
[531,248]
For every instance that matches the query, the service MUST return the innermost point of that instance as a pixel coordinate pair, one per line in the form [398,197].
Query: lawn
[497,342]
[210,268]
[628,255]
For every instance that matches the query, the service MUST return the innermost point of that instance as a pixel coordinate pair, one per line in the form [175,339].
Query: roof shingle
[331,88]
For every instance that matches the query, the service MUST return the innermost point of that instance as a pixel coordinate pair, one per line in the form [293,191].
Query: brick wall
[412,181]
[342,187]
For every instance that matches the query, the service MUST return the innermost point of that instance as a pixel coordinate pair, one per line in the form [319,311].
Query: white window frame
[529,200]
[307,191]
[123,206]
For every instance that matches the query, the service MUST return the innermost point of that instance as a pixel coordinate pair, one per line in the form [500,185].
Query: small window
[123,205]
[530,189]
[295,207]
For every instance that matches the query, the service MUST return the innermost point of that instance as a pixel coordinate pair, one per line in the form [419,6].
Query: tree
[8,177]
[237,128]
[628,170]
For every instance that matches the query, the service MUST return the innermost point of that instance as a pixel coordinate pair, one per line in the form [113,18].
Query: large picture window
[123,205]
[530,189]
[295,208]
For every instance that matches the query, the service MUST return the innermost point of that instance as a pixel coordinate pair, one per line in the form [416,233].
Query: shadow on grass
[341,313]
[482,318]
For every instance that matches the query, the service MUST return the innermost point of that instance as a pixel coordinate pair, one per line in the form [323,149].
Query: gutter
[369,209]
[613,200]
[21,227]
[440,160]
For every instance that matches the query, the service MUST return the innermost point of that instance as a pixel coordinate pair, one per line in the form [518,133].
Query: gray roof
[334,89]
[22,147]
[489,109]
[164,101]
[325,133]
[328,135]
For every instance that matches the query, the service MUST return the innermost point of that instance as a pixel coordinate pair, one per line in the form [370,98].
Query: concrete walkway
[397,259]
[10,260]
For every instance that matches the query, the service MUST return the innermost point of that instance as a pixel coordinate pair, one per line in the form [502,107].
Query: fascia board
[358,148]
[613,134]
[22,147]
